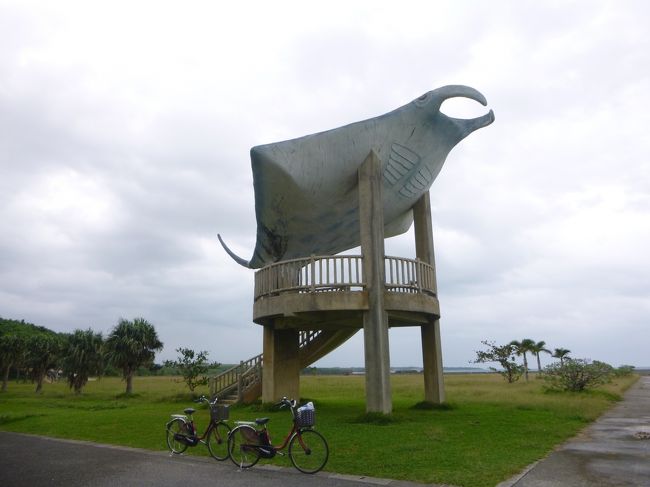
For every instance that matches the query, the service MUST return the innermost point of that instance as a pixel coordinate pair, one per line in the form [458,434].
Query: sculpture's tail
[235,257]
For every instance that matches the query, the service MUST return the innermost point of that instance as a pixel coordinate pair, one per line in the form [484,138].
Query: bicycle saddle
[189,410]
[262,421]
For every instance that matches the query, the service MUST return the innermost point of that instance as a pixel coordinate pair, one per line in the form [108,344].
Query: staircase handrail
[231,377]
[235,376]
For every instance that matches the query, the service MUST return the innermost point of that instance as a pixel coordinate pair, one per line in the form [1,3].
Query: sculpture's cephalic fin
[470,125]
[236,258]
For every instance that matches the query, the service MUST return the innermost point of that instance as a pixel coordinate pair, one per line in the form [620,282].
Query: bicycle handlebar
[287,402]
[205,399]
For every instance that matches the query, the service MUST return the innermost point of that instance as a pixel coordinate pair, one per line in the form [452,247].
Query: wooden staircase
[243,383]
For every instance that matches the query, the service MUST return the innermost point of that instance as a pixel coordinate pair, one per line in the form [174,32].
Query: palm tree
[526,345]
[131,344]
[561,353]
[12,348]
[43,351]
[536,350]
[82,358]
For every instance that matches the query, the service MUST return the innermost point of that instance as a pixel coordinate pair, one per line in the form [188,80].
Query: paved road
[35,461]
[613,451]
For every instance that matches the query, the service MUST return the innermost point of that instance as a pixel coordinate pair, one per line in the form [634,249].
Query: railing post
[312,286]
[240,393]
[418,274]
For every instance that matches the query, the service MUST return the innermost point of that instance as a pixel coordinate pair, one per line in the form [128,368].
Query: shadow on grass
[610,396]
[128,395]
[379,419]
[432,406]
[6,418]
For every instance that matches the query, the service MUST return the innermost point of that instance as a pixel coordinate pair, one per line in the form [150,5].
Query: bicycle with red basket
[307,449]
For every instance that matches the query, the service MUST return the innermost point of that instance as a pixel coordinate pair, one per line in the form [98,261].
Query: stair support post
[280,365]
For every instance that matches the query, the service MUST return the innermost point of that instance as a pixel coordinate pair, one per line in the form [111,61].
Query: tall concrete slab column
[281,365]
[375,320]
[434,386]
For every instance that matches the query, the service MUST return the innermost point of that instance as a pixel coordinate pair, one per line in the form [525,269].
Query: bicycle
[249,441]
[182,433]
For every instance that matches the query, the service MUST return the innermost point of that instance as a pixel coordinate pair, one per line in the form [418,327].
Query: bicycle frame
[182,431]
[190,421]
[295,429]
[307,449]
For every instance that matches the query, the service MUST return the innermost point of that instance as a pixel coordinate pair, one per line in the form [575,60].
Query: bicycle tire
[308,451]
[242,452]
[176,426]
[218,441]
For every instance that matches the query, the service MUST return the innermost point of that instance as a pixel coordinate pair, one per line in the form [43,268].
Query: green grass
[486,432]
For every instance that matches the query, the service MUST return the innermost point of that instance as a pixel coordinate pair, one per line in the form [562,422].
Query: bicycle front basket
[219,412]
[306,417]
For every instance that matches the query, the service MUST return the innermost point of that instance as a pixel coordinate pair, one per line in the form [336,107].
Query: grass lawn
[489,431]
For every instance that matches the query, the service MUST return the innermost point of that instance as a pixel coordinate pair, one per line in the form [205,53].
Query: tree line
[36,350]
[567,374]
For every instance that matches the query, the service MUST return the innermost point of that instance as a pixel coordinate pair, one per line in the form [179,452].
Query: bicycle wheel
[218,441]
[173,427]
[243,451]
[308,451]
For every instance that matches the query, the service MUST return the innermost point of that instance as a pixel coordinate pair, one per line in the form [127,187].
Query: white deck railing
[341,273]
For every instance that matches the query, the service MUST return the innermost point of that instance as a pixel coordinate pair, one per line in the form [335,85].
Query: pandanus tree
[130,345]
[43,352]
[561,353]
[82,357]
[12,350]
[538,348]
[521,348]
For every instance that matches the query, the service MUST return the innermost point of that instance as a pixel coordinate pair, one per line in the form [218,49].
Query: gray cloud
[124,149]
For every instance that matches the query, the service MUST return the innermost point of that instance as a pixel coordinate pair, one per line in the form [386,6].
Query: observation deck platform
[330,293]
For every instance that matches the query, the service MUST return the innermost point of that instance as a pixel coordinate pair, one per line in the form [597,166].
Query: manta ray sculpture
[306,198]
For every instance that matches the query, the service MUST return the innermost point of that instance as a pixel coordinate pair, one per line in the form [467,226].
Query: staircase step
[232,399]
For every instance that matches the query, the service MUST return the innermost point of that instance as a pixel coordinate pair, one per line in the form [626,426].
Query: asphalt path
[36,461]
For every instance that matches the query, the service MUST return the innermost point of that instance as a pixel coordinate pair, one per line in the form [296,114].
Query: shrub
[504,355]
[192,366]
[577,375]
[624,370]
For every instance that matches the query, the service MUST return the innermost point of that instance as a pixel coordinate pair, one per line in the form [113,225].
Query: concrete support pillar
[434,386]
[375,320]
[281,365]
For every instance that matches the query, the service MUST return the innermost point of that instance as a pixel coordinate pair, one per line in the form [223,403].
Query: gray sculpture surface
[306,199]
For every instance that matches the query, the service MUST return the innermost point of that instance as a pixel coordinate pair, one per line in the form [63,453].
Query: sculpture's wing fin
[234,256]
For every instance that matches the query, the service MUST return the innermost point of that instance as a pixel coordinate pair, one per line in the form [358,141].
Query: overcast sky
[124,136]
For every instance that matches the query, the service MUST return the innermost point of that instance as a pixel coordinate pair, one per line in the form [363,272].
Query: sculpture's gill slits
[405,172]
[417,184]
[234,256]
[401,162]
